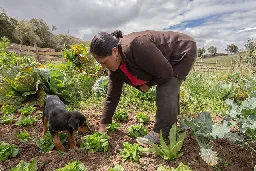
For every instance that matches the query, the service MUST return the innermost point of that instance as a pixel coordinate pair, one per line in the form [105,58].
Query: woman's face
[111,62]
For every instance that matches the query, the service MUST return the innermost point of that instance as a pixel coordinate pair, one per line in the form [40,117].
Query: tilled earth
[231,157]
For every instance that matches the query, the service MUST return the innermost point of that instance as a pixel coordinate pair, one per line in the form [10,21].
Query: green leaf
[172,135]
[220,130]
[169,152]
[117,168]
[8,150]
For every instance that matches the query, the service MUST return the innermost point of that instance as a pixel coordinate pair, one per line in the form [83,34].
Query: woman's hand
[144,87]
[103,128]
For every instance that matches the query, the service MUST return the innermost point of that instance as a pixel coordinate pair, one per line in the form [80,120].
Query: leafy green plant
[45,144]
[24,166]
[120,115]
[27,110]
[137,130]
[142,117]
[113,127]
[96,142]
[131,152]
[209,156]
[244,116]
[148,96]
[73,166]
[8,109]
[8,150]
[201,128]
[7,119]
[80,58]
[117,168]
[26,121]
[100,87]
[172,151]
[23,136]
[205,131]
[181,167]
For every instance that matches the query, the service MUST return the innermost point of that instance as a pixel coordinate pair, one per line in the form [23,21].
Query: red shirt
[135,81]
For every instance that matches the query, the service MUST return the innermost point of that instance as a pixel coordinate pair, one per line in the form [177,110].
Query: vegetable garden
[216,128]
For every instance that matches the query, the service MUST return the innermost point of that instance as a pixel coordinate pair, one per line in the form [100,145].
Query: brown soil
[231,157]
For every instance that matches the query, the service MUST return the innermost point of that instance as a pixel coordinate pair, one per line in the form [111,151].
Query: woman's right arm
[112,98]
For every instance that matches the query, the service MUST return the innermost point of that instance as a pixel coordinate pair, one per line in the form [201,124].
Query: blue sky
[210,22]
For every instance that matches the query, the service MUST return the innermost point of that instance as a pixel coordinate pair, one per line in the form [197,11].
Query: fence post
[36,50]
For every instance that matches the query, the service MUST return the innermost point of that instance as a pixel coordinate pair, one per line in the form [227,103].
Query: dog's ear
[73,123]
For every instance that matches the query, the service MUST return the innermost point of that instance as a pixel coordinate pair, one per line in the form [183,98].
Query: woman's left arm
[150,59]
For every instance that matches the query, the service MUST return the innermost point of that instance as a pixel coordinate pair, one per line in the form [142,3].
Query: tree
[212,50]
[42,30]
[200,52]
[251,52]
[232,49]
[25,33]
[62,41]
[7,26]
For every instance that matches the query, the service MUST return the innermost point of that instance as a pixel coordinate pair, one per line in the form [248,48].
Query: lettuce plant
[112,127]
[131,152]
[23,136]
[120,115]
[137,130]
[8,150]
[46,144]
[117,168]
[26,121]
[8,109]
[142,118]
[73,166]
[7,119]
[181,167]
[95,143]
[24,166]
[27,110]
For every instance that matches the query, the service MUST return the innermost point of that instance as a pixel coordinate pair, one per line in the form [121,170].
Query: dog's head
[77,121]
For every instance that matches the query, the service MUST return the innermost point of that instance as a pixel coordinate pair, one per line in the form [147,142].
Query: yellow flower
[28,69]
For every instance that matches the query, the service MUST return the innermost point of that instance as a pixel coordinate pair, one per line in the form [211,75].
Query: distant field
[229,60]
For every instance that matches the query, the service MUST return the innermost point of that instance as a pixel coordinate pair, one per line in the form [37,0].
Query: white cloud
[226,21]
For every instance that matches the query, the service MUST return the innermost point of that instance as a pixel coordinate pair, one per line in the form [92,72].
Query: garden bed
[231,157]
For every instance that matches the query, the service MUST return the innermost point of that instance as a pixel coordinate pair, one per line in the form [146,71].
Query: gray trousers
[167,103]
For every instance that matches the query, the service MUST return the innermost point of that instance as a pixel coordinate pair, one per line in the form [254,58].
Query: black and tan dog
[54,111]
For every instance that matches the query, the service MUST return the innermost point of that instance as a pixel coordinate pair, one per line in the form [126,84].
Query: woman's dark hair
[102,43]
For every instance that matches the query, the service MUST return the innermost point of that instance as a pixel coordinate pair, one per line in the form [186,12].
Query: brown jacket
[153,56]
